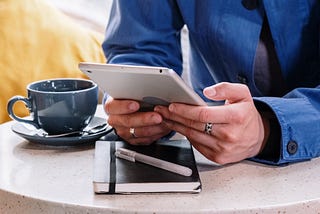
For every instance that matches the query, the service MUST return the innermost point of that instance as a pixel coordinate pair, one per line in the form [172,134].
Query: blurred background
[91,13]
[45,39]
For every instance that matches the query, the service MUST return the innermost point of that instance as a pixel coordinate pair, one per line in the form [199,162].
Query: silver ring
[132,133]
[208,128]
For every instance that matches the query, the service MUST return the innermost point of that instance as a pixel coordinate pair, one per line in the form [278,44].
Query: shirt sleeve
[297,116]
[145,33]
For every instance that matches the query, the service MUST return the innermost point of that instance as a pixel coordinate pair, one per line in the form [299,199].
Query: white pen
[135,156]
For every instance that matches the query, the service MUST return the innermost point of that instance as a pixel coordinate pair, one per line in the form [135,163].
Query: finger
[187,131]
[174,117]
[143,135]
[113,106]
[213,114]
[215,150]
[144,141]
[221,129]
[208,144]
[138,119]
[231,92]
[209,153]
[218,157]
[224,132]
[211,147]
[148,131]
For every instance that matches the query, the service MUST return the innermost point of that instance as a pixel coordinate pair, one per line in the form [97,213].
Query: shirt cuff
[270,154]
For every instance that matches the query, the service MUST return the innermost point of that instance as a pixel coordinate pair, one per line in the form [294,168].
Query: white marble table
[41,179]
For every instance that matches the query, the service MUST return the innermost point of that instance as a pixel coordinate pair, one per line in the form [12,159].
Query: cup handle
[10,105]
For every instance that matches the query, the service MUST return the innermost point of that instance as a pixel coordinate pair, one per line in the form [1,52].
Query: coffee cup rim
[94,85]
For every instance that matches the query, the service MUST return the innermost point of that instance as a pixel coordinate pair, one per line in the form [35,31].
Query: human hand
[125,115]
[238,130]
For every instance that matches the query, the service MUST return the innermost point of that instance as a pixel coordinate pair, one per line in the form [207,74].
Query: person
[260,57]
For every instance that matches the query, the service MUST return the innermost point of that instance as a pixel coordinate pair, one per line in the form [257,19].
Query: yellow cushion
[37,41]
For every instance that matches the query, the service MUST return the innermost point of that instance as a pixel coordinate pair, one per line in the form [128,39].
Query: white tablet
[149,85]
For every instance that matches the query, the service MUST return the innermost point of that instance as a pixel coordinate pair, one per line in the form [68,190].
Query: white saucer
[63,141]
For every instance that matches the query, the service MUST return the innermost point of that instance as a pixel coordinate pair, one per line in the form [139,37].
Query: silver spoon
[92,129]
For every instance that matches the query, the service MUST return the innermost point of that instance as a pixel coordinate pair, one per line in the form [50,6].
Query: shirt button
[242,79]
[292,147]
[250,4]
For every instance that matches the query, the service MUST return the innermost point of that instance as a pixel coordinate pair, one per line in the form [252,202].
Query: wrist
[266,128]
[272,138]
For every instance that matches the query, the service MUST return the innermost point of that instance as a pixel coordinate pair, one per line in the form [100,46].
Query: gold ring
[132,133]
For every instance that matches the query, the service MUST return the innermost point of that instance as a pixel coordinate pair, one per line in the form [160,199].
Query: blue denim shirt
[223,38]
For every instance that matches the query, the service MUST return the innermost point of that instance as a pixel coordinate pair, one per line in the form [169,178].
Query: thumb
[231,92]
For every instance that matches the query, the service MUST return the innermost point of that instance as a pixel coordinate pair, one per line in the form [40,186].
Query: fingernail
[156,119]
[132,106]
[157,108]
[171,107]
[210,91]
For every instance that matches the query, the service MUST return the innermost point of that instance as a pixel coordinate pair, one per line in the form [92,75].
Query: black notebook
[116,175]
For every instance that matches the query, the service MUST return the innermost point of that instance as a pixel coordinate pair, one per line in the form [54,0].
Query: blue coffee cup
[58,105]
